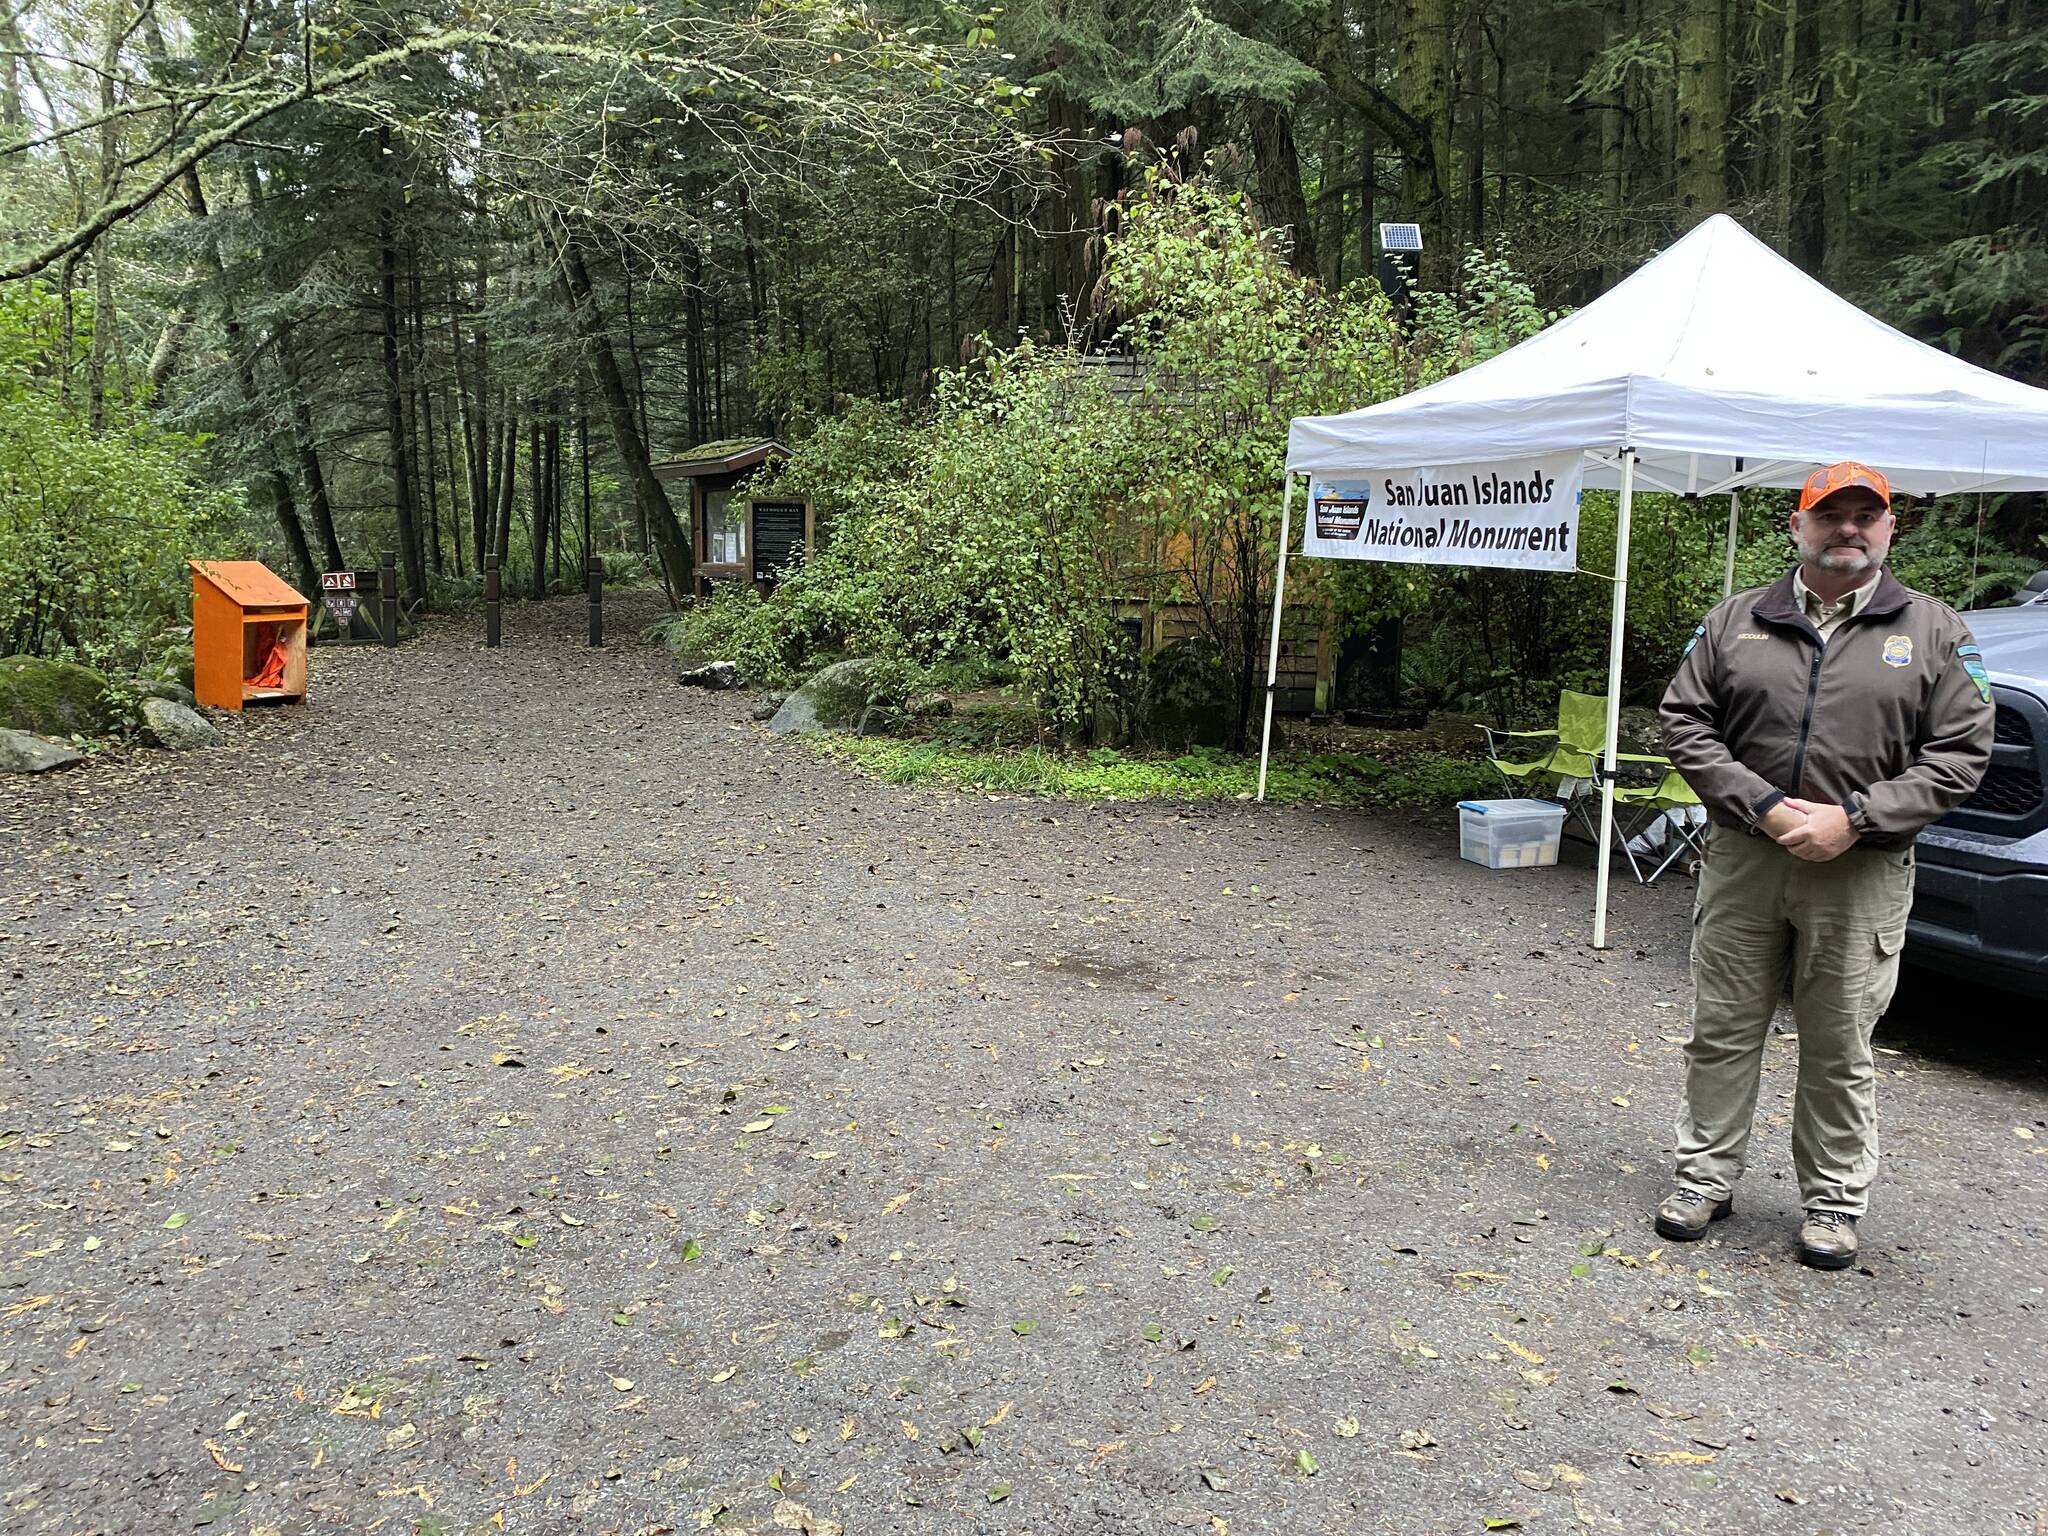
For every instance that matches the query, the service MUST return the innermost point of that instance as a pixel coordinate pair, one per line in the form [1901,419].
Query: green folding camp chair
[1645,806]
[1577,745]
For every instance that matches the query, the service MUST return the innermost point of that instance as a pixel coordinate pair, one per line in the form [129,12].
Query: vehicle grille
[2007,791]
[2012,786]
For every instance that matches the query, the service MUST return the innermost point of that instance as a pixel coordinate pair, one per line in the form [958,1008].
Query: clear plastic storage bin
[1509,834]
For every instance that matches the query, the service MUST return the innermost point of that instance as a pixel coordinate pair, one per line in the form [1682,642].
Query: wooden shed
[248,635]
[737,537]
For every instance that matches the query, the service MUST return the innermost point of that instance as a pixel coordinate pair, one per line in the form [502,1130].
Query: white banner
[1521,513]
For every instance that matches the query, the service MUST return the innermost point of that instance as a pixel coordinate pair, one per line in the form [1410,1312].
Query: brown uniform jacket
[1890,718]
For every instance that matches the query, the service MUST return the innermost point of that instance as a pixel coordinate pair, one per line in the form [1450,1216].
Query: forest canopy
[308,282]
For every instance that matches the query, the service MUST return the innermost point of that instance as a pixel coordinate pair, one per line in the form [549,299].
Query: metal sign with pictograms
[338,597]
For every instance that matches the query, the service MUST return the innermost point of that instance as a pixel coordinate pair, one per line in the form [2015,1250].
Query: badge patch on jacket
[1898,650]
[1973,663]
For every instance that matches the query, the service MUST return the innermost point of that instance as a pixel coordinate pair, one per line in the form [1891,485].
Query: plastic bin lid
[1511,807]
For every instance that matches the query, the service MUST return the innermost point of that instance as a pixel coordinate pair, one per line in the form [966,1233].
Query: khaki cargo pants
[1836,928]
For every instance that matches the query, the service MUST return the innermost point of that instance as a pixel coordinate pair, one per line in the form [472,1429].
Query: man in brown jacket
[1824,720]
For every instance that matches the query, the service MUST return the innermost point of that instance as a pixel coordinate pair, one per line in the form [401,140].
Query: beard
[1825,557]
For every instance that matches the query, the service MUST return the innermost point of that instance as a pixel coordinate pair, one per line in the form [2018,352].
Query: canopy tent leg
[1734,531]
[1273,650]
[1620,617]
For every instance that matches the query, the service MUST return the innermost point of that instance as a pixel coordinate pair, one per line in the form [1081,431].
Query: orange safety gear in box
[248,635]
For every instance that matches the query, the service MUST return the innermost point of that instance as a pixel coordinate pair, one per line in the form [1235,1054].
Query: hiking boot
[1686,1214]
[1827,1239]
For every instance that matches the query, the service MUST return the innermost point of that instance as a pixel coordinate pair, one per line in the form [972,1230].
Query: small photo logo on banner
[1340,509]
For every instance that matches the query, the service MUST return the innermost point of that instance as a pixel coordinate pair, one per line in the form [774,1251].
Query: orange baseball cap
[1824,482]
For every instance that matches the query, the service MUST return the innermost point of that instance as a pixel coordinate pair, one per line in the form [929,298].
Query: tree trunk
[305,444]
[650,497]
[1422,53]
[693,344]
[1701,129]
[1330,203]
[508,463]
[1278,165]
[1839,38]
[537,497]
[552,452]
[1786,121]
[448,453]
[394,397]
[423,414]
[1473,98]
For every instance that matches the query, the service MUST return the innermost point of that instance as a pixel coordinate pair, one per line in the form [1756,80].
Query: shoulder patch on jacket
[1973,663]
[1693,641]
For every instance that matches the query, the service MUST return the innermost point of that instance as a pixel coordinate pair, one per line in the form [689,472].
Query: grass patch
[1416,778]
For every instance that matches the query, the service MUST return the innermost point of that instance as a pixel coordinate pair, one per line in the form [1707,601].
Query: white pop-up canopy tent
[1715,366]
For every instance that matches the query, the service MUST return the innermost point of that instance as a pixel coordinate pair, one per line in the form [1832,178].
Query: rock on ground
[165,688]
[170,725]
[25,752]
[55,698]
[715,675]
[833,700]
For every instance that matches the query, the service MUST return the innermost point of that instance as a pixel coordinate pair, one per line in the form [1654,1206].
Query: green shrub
[95,527]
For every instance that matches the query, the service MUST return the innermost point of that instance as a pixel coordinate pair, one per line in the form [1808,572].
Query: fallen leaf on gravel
[220,1457]
[1501,1523]
[176,1220]
[897,1204]
[1204,1385]
[1216,1478]
[909,1430]
[1791,1496]
[1305,1463]
[1536,1481]
[724,1375]
[846,1429]
[622,1383]
[1666,1411]
[1103,1452]
[1416,1439]
[1567,1474]
[1671,1458]
[791,1516]
[1529,1355]
[992,1420]
[1000,1492]
[1345,1428]
[1024,1326]
[2024,1132]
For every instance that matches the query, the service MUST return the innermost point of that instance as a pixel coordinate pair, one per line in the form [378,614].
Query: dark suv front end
[1980,904]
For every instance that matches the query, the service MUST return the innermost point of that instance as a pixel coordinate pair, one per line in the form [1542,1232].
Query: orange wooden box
[238,607]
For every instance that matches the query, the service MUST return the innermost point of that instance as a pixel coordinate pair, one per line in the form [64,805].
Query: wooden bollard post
[387,596]
[491,600]
[593,575]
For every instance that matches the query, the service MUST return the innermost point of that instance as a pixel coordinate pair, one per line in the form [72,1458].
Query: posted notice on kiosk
[1520,513]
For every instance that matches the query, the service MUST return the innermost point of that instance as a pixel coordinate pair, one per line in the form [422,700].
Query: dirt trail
[513,1085]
